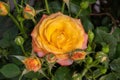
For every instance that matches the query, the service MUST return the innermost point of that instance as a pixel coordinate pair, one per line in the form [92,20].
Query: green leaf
[55,6]
[118,50]
[115,65]
[116,34]
[92,1]
[87,24]
[63,73]
[32,74]
[76,2]
[110,76]
[104,37]
[19,57]
[1,76]
[74,8]
[85,12]
[10,70]
[8,37]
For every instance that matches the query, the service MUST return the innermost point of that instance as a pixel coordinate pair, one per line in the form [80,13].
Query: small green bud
[90,36]
[103,70]
[84,4]
[34,79]
[105,48]
[19,40]
[89,60]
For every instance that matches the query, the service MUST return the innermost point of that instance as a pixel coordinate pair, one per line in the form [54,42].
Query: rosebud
[29,12]
[4,9]
[51,58]
[103,70]
[32,64]
[78,55]
[90,36]
[89,60]
[19,40]
[101,56]
[105,48]
[84,4]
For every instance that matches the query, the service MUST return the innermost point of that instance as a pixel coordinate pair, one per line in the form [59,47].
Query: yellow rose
[32,64]
[3,9]
[58,34]
[29,12]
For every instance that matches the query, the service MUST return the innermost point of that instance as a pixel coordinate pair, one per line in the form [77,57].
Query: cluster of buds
[28,11]
[4,8]
[34,63]
[66,59]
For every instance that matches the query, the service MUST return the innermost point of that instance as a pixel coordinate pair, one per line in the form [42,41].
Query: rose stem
[63,7]
[47,7]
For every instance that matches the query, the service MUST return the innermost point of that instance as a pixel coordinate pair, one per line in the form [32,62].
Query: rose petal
[41,54]
[34,35]
[39,51]
[64,62]
[84,46]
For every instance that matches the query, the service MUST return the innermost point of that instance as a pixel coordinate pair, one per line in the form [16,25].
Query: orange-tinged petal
[65,62]
[32,64]
[79,55]
[4,9]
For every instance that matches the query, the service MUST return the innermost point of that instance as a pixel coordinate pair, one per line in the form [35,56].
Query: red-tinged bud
[51,58]
[78,55]
[4,8]
[32,64]
[29,12]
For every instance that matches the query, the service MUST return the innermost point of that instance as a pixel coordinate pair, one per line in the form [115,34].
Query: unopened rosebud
[90,36]
[19,40]
[29,12]
[101,56]
[89,60]
[105,48]
[78,55]
[84,4]
[4,8]
[51,58]
[32,64]
[103,70]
